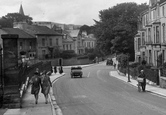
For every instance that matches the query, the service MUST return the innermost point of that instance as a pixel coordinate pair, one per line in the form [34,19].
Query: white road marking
[100,77]
[88,74]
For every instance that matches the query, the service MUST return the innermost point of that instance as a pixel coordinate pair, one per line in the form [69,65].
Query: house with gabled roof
[78,41]
[89,41]
[48,40]
[25,43]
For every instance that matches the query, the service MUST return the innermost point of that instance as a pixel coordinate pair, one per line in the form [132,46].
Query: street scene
[82,57]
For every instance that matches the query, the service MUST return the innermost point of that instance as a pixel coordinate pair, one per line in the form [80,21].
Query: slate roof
[74,33]
[90,37]
[69,38]
[21,33]
[40,30]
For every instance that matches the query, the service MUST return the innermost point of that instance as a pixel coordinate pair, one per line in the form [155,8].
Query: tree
[14,17]
[117,27]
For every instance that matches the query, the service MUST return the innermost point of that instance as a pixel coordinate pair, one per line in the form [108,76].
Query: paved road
[97,93]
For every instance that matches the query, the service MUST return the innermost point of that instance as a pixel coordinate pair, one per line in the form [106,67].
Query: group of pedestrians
[40,80]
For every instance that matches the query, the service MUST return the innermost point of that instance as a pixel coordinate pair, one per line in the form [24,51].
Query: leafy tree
[14,17]
[117,27]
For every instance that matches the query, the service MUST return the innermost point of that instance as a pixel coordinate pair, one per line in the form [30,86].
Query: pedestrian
[46,84]
[55,69]
[35,81]
[114,65]
[143,84]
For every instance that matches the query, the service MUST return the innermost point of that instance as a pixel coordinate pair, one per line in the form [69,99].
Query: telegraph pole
[128,68]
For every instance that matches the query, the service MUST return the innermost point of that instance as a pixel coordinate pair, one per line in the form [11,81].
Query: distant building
[48,41]
[26,43]
[89,40]
[68,42]
[78,41]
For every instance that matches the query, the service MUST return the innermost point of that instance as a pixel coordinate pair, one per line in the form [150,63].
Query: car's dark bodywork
[76,71]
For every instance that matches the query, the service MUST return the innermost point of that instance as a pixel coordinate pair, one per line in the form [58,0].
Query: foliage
[134,65]
[143,62]
[164,65]
[117,27]
[123,60]
[82,57]
[67,54]
[7,20]
[88,29]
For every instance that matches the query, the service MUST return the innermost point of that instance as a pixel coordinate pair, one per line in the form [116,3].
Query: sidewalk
[28,103]
[154,89]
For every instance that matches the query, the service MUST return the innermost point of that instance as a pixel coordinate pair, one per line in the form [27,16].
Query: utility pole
[128,68]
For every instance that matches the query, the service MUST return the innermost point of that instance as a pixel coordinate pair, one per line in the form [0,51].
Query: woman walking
[46,84]
[36,82]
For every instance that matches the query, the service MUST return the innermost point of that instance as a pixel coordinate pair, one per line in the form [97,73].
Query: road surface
[97,93]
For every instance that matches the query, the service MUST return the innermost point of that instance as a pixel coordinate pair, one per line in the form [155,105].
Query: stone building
[150,41]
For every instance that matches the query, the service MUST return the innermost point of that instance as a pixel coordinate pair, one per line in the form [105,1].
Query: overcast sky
[78,12]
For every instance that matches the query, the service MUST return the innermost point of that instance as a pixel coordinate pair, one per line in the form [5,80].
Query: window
[150,56]
[30,45]
[79,44]
[70,47]
[139,43]
[163,11]
[63,47]
[158,11]
[143,38]
[163,32]
[43,53]
[50,42]
[149,34]
[43,42]
[67,46]
[157,34]
[21,45]
[154,14]
[154,34]
[57,41]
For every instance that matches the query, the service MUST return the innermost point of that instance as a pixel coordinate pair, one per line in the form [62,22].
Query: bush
[82,57]
[91,56]
[134,65]
[123,60]
[68,54]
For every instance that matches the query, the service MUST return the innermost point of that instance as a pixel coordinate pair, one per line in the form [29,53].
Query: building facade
[150,41]
[48,41]
[26,43]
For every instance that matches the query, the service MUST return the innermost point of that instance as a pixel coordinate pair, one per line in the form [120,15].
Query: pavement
[30,108]
[28,103]
[150,87]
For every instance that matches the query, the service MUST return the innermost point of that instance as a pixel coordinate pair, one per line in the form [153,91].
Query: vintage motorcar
[109,61]
[76,71]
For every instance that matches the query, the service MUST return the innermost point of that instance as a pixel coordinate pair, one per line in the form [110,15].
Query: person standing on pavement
[35,81]
[46,84]
[143,84]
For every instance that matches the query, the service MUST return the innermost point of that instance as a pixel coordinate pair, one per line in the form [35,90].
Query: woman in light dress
[45,85]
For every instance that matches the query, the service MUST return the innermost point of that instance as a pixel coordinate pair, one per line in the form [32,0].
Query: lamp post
[1,75]
[128,68]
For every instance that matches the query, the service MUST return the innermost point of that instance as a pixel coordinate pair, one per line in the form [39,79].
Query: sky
[78,12]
